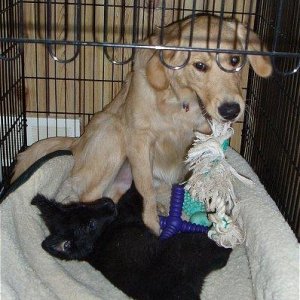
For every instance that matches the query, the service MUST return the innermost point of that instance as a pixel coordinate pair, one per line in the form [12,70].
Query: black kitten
[126,251]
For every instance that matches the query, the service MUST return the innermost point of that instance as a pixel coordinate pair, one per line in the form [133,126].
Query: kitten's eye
[200,66]
[67,245]
[235,60]
[92,224]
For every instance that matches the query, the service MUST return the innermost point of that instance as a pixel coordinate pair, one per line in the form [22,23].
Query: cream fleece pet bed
[266,266]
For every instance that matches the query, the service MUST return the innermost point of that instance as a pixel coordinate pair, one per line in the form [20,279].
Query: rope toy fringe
[211,181]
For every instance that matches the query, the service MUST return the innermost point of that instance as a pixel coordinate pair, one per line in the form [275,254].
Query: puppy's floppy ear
[156,73]
[261,64]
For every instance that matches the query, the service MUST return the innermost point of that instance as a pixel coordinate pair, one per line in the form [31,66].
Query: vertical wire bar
[66,88]
[47,63]
[233,13]
[137,20]
[142,36]
[290,196]
[162,24]
[66,30]
[37,12]
[77,34]
[161,56]
[243,11]
[12,95]
[297,209]
[151,23]
[77,18]
[214,6]
[9,86]
[183,8]
[113,49]
[123,38]
[220,24]
[296,96]
[2,178]
[173,11]
[105,9]
[276,39]
[94,8]
[55,73]
[82,95]
[277,24]
[134,34]
[291,137]
[64,79]
[288,80]
[5,100]
[2,98]
[17,92]
[286,129]
[6,45]
[10,74]
[94,58]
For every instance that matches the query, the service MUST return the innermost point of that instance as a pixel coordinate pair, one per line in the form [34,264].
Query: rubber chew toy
[173,223]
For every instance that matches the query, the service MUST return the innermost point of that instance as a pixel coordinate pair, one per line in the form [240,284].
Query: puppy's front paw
[152,222]
[161,209]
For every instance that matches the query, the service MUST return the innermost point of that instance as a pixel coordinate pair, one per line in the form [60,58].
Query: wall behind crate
[77,89]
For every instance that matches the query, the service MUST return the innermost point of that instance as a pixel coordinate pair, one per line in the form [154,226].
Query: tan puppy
[146,130]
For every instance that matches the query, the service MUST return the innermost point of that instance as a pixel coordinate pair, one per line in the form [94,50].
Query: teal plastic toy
[195,210]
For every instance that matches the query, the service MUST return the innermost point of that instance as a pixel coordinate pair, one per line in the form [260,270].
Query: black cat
[115,241]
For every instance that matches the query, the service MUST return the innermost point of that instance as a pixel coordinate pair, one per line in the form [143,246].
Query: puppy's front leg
[140,158]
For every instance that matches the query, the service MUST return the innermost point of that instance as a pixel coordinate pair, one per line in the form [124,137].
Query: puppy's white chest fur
[181,119]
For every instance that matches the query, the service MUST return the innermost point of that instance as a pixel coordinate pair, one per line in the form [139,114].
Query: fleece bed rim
[26,175]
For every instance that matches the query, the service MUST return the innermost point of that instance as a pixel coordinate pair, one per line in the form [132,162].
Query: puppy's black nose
[229,110]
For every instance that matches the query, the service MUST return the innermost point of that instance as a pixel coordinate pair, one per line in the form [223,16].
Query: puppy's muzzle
[229,110]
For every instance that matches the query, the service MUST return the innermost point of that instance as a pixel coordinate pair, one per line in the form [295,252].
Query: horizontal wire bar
[72,79]
[64,113]
[152,47]
[167,8]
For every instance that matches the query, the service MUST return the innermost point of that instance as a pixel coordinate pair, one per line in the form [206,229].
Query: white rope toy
[211,181]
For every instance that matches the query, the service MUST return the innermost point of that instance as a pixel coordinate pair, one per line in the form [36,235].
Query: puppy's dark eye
[67,245]
[200,66]
[235,60]
[92,224]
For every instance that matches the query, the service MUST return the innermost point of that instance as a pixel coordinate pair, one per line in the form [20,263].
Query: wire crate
[62,61]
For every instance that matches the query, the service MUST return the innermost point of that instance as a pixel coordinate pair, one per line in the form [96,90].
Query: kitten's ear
[57,247]
[51,211]
[47,207]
